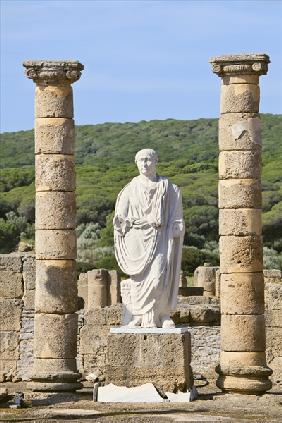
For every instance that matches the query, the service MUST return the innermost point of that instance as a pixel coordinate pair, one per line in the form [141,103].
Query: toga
[148,234]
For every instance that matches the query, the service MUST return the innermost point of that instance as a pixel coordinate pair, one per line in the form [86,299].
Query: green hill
[105,162]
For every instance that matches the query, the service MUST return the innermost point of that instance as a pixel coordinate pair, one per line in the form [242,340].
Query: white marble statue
[148,232]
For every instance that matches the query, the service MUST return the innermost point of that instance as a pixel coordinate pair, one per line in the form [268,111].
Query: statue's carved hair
[148,152]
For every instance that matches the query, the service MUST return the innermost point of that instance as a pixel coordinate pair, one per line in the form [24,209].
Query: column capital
[240,64]
[53,71]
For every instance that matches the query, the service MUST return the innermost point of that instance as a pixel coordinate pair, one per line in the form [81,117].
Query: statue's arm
[122,223]
[178,221]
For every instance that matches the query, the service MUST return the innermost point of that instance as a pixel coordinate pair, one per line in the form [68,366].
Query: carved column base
[64,381]
[54,375]
[249,381]
[42,386]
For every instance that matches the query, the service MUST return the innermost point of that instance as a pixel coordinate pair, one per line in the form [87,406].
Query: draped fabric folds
[148,232]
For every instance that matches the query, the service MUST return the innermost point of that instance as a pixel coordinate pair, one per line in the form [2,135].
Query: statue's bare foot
[135,322]
[167,322]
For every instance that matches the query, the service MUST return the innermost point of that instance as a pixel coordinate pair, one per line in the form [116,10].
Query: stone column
[242,363]
[55,330]
[205,277]
[98,289]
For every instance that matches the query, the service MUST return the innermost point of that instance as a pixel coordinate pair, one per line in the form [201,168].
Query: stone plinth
[160,356]
[55,238]
[242,364]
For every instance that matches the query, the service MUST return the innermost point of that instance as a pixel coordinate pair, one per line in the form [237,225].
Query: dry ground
[211,406]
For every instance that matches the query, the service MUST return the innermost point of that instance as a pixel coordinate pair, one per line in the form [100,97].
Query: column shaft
[55,331]
[242,364]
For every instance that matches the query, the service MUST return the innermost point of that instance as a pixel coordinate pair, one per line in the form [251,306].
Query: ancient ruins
[242,359]
[56,330]
[56,291]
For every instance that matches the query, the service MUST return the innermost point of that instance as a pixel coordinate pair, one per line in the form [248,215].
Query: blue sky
[143,59]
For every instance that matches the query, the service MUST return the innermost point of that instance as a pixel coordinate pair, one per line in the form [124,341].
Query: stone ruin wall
[17,289]
[200,312]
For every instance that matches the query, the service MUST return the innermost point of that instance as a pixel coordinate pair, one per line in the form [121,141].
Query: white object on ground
[142,393]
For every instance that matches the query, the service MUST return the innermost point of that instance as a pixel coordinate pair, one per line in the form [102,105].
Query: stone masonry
[17,288]
[149,356]
[201,314]
[55,240]
[11,305]
[242,361]
[273,316]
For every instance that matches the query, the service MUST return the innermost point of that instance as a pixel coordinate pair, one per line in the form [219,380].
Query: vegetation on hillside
[105,163]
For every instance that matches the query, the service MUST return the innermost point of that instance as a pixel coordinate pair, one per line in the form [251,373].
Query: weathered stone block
[56,335]
[29,272]
[198,299]
[8,369]
[55,210]
[239,98]
[272,276]
[276,366]
[239,193]
[115,297]
[93,340]
[27,325]
[54,172]
[241,359]
[239,131]
[273,343]
[10,314]
[9,346]
[29,299]
[239,164]
[242,333]
[54,136]
[273,296]
[240,222]
[162,359]
[82,288]
[242,293]
[204,276]
[53,365]
[273,318]
[11,284]
[98,289]
[11,262]
[96,362]
[53,101]
[55,244]
[240,254]
[107,316]
[198,314]
[56,288]
[205,345]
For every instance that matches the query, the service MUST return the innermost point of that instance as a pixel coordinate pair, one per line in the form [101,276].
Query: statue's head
[146,161]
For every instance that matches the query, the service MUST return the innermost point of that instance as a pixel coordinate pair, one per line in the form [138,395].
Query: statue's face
[146,165]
